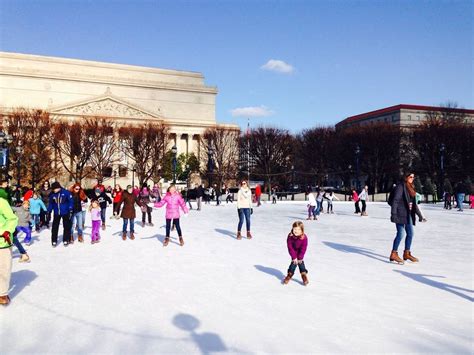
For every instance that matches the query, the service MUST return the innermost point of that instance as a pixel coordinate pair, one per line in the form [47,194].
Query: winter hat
[55,185]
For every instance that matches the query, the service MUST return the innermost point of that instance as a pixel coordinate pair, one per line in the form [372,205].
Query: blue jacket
[36,205]
[61,203]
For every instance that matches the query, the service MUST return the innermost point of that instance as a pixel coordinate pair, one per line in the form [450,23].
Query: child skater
[23,214]
[36,206]
[173,201]
[330,197]
[96,221]
[297,243]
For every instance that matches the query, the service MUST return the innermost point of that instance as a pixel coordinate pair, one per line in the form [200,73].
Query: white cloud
[278,66]
[252,111]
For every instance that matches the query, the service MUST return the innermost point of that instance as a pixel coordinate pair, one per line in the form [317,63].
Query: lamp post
[33,170]
[442,150]
[357,155]
[210,164]
[115,178]
[19,151]
[187,176]
[292,183]
[174,150]
[5,141]
[133,175]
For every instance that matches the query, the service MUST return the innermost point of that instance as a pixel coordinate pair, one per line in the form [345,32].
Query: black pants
[116,207]
[176,224]
[148,211]
[356,204]
[292,267]
[363,205]
[66,228]
[45,217]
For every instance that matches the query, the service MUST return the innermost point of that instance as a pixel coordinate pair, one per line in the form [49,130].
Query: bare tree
[31,130]
[74,144]
[221,144]
[105,148]
[145,145]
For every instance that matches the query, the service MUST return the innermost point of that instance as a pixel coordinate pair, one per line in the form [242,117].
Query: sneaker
[24,258]
[54,244]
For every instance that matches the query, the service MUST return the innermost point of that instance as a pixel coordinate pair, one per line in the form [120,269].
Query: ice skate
[80,239]
[249,236]
[181,241]
[24,258]
[103,226]
[66,243]
[132,236]
[304,278]
[124,236]
[287,278]
[4,300]
[54,244]
[395,258]
[166,241]
[407,256]
[150,224]
[239,235]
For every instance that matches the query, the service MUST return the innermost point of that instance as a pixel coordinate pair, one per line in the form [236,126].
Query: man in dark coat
[61,203]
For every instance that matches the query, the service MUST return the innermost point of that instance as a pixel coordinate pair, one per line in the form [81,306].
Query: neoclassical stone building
[71,88]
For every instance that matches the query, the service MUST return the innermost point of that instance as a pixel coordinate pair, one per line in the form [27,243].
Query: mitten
[6,236]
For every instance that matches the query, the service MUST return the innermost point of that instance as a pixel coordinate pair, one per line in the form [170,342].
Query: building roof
[396,108]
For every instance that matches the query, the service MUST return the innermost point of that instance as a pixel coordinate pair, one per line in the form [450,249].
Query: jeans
[319,205]
[17,243]
[329,206]
[125,224]
[176,224]
[311,211]
[460,200]
[36,221]
[102,214]
[292,267]
[83,219]
[66,228]
[244,212]
[409,235]
[27,231]
[76,220]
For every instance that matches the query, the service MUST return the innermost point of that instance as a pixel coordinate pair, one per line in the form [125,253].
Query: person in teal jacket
[36,205]
[8,223]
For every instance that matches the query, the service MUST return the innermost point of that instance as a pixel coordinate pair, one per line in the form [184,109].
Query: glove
[6,236]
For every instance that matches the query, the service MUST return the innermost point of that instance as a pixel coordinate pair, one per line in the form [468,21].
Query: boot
[249,236]
[24,258]
[407,256]
[239,235]
[395,258]
[4,300]
[103,226]
[132,237]
[181,241]
[124,235]
[288,278]
[304,278]
[80,239]
[166,241]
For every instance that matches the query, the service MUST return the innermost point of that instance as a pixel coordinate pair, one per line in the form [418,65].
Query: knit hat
[55,185]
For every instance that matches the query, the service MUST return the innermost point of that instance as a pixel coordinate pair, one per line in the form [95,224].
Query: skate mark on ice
[358,250]
[19,280]
[207,342]
[275,272]
[226,232]
[423,278]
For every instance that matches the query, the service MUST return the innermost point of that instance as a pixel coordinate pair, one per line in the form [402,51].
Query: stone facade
[70,88]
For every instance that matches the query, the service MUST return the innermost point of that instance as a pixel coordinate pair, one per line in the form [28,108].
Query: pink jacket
[173,203]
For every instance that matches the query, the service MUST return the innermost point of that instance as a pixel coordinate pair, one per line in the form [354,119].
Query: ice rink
[220,294]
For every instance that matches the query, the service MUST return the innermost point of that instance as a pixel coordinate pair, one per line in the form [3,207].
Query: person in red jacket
[355,198]
[297,243]
[258,194]
[117,198]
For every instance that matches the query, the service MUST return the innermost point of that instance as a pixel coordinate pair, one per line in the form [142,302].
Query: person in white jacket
[363,196]
[330,197]
[244,208]
[311,206]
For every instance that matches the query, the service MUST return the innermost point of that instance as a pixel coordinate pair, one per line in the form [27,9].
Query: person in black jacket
[104,200]
[403,214]
[199,196]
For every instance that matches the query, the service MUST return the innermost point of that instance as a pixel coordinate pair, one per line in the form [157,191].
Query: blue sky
[336,58]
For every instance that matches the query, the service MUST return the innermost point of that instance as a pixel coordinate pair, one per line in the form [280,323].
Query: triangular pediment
[108,106]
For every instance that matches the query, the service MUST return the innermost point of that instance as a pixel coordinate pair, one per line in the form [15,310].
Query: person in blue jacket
[61,203]
[36,206]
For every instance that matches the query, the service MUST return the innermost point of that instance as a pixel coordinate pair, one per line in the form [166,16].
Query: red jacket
[355,197]
[258,190]
[117,195]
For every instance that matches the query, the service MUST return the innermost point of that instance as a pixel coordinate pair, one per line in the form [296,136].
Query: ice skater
[23,213]
[311,206]
[174,201]
[297,243]
[37,206]
[95,211]
[330,197]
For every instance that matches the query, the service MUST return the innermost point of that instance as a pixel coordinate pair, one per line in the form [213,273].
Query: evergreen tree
[418,186]
[429,189]
[447,186]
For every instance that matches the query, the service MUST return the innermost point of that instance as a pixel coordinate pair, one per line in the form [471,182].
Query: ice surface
[219,294]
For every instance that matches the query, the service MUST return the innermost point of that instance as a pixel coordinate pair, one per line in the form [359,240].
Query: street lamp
[174,150]
[19,151]
[210,164]
[5,141]
[33,170]
[115,178]
[442,150]
[133,174]
[292,183]
[357,155]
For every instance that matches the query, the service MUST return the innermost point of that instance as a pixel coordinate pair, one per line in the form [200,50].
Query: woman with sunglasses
[45,216]
[79,198]
[244,208]
[403,214]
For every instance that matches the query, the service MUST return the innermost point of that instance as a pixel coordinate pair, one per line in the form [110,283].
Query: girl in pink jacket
[173,201]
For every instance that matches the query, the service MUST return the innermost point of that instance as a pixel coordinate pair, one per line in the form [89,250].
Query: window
[417,117]
[409,117]
[393,118]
